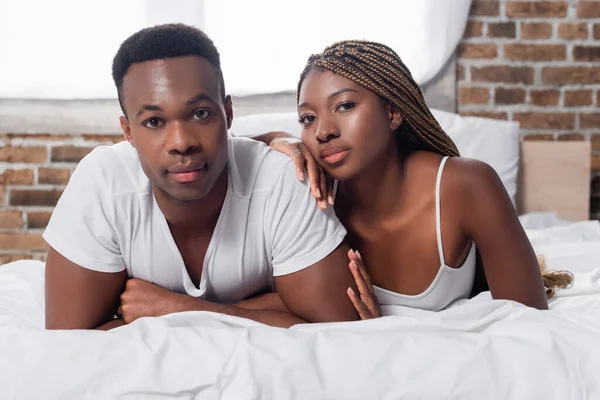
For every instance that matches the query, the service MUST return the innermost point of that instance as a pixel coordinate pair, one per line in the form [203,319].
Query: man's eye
[152,123]
[201,114]
[307,119]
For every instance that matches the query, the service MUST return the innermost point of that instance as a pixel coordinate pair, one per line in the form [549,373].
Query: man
[183,216]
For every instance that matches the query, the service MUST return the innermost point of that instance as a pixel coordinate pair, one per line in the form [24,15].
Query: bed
[475,349]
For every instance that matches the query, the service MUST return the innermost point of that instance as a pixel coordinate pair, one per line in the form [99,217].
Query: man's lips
[334,154]
[187,172]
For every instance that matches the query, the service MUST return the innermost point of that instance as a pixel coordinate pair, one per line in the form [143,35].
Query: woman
[417,212]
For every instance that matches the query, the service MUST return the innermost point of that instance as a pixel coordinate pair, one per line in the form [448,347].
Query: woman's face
[345,126]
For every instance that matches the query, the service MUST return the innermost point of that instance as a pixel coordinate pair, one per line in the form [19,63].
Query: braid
[379,69]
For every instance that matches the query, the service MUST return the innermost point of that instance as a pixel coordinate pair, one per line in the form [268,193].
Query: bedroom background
[534,62]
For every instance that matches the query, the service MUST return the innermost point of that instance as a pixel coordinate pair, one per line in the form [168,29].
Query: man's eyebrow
[148,107]
[195,99]
[200,97]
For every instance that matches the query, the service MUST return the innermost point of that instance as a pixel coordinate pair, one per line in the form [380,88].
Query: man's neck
[195,215]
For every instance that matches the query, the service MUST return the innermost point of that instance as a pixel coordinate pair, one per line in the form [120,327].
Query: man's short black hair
[160,42]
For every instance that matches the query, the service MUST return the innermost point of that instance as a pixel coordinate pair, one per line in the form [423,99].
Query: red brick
[469,50]
[8,258]
[11,219]
[595,162]
[502,73]
[536,9]
[69,153]
[586,53]
[545,120]
[53,176]
[23,154]
[588,9]
[460,73]
[34,197]
[571,137]
[596,141]
[485,8]
[539,137]
[473,95]
[589,121]
[535,52]
[17,177]
[571,75]
[38,220]
[573,31]
[485,114]
[546,97]
[502,30]
[536,30]
[22,241]
[575,98]
[509,96]
[473,29]
[596,31]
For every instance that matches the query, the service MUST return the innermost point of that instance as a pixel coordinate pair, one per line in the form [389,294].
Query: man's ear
[228,110]
[126,129]
[395,117]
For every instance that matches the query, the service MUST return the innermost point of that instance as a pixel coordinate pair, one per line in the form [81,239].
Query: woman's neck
[376,192]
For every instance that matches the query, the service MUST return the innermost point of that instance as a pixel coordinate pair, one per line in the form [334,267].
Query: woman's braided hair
[378,68]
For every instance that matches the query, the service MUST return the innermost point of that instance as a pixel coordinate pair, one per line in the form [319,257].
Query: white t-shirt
[108,220]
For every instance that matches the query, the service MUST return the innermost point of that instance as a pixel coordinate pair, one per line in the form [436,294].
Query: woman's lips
[334,154]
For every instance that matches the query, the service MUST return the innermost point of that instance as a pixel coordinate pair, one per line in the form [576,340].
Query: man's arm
[79,298]
[318,293]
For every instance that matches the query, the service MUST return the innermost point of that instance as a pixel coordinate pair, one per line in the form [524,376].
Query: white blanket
[477,349]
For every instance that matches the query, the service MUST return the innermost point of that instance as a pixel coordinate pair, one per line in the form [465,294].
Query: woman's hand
[304,162]
[365,302]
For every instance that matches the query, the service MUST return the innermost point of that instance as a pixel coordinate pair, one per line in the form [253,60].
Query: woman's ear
[395,117]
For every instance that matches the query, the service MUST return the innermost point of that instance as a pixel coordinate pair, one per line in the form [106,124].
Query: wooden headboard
[555,176]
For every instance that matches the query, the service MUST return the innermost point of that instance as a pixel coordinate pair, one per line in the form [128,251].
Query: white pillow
[491,141]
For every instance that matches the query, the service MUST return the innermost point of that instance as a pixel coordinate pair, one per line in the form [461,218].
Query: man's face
[177,120]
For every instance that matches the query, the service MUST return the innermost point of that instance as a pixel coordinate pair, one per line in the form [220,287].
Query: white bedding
[477,349]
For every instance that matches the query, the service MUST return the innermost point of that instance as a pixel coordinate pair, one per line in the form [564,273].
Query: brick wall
[538,63]
[34,170]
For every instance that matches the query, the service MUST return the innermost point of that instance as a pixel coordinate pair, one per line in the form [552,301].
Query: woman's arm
[490,220]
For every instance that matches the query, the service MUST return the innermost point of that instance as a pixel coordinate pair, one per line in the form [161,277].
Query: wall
[536,62]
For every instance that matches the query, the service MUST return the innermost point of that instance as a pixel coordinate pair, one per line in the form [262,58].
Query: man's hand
[145,299]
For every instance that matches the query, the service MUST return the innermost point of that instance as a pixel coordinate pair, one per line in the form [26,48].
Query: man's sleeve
[81,226]
[301,234]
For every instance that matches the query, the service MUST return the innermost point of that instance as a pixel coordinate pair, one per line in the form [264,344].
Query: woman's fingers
[360,307]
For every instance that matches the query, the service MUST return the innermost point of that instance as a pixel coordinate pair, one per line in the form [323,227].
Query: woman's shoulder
[459,175]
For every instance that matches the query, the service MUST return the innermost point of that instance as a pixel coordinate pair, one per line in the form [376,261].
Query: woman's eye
[152,123]
[346,106]
[307,119]
[201,114]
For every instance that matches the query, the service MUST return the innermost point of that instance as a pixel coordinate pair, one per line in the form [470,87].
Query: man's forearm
[267,301]
[282,319]
[115,323]
[268,137]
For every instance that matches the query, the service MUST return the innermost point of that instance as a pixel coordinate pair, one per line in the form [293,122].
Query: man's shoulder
[256,166]
[117,167]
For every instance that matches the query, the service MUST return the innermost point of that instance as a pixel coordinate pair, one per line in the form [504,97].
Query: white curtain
[63,49]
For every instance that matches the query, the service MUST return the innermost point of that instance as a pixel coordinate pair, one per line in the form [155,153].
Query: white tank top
[449,285]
